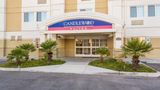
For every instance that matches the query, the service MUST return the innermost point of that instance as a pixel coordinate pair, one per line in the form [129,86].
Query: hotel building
[79,26]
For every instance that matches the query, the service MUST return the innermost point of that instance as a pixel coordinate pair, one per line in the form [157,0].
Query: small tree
[48,46]
[29,48]
[103,51]
[136,48]
[18,54]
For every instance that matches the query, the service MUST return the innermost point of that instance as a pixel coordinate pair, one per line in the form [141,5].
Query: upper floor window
[41,16]
[157,10]
[28,16]
[153,10]
[137,11]
[42,1]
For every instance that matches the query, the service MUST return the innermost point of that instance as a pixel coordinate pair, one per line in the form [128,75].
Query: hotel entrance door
[87,47]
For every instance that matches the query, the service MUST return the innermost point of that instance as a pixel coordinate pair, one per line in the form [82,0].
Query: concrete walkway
[72,65]
[79,66]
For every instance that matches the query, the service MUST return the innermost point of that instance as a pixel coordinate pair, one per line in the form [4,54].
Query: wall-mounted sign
[80,24]
[137,22]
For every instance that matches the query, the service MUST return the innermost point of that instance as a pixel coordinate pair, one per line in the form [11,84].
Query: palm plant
[29,48]
[18,54]
[136,48]
[48,47]
[102,51]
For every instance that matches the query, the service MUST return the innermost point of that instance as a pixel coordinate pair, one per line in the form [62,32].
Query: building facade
[79,26]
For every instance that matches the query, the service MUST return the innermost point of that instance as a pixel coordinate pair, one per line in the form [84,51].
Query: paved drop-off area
[51,81]
[71,66]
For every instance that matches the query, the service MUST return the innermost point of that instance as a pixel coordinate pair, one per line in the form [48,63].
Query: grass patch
[32,63]
[119,66]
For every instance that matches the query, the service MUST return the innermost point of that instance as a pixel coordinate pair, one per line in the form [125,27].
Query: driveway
[72,65]
[52,81]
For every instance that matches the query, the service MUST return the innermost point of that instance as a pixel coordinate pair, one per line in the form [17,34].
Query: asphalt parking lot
[51,81]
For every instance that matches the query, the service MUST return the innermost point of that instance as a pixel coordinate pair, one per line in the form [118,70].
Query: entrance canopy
[81,23]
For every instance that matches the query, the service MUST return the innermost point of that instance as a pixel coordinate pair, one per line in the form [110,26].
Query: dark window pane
[133,12]
[151,10]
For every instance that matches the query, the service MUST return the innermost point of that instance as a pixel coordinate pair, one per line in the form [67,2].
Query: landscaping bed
[32,63]
[113,64]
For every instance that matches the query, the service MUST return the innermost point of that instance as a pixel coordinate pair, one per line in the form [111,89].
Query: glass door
[83,47]
[87,47]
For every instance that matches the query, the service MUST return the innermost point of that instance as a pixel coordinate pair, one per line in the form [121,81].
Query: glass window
[140,11]
[28,16]
[94,51]
[41,16]
[79,42]
[103,42]
[86,51]
[157,10]
[95,42]
[86,9]
[151,10]
[79,51]
[137,11]
[13,38]
[86,42]
[133,12]
[19,38]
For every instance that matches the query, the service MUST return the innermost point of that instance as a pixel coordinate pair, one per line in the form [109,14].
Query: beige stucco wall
[70,6]
[101,6]
[10,45]
[155,42]
[110,45]
[60,47]
[13,17]
[69,47]
[155,53]
[1,48]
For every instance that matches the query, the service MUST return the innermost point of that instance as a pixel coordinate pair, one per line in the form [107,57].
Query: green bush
[32,63]
[119,66]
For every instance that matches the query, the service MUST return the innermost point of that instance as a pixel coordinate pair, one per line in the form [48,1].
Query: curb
[157,74]
[139,74]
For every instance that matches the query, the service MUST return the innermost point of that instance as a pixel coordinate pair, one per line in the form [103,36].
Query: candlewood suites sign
[80,24]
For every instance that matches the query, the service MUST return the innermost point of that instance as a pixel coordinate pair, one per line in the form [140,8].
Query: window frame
[151,10]
[28,18]
[137,8]
[41,19]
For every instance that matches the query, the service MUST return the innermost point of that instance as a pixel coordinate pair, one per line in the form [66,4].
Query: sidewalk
[79,67]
